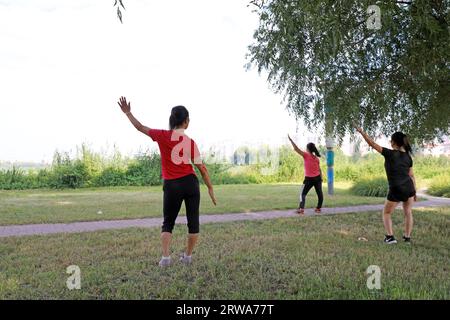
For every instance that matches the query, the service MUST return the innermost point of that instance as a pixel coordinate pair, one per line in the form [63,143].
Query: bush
[16,179]
[428,167]
[111,176]
[72,175]
[90,169]
[440,187]
[370,187]
[144,170]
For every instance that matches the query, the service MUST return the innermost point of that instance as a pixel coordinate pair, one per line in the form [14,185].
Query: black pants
[308,183]
[175,191]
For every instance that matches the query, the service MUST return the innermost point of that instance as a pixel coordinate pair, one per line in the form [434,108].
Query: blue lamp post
[330,164]
[329,141]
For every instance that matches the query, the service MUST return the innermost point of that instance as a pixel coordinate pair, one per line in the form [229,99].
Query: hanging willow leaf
[120,1]
[119,14]
[115,3]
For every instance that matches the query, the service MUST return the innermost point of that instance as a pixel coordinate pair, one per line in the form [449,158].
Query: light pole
[329,141]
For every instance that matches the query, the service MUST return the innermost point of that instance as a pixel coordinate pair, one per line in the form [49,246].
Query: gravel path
[75,227]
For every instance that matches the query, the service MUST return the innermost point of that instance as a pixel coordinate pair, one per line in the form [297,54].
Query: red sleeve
[195,153]
[155,134]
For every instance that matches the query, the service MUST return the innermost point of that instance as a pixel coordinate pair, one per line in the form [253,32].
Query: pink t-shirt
[312,165]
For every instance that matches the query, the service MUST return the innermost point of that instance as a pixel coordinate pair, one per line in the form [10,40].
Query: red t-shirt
[177,153]
[312,165]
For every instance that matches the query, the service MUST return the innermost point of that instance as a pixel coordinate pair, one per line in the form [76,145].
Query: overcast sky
[64,64]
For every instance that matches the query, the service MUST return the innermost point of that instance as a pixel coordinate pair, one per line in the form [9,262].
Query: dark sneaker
[300,211]
[164,262]
[317,210]
[407,239]
[185,259]
[390,240]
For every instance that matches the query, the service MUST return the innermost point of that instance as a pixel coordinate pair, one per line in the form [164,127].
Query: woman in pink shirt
[313,175]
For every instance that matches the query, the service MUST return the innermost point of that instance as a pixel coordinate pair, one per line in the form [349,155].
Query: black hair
[178,115]
[312,148]
[401,140]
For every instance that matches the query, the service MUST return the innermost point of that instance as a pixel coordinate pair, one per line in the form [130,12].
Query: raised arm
[297,149]
[369,140]
[126,108]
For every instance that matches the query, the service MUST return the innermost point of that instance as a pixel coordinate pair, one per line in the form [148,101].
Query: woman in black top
[402,185]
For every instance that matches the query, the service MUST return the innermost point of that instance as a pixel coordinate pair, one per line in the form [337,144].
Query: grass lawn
[316,257]
[51,206]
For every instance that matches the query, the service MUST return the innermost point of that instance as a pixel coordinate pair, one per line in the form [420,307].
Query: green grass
[315,257]
[50,206]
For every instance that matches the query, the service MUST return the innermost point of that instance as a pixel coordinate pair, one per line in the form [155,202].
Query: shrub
[89,169]
[370,187]
[144,170]
[111,176]
[440,186]
[15,179]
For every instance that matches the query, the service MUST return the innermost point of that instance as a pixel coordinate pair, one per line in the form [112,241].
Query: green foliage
[111,176]
[290,166]
[440,186]
[87,169]
[428,167]
[15,178]
[90,169]
[349,169]
[144,170]
[325,59]
[370,187]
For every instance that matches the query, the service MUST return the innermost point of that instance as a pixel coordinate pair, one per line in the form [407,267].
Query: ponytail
[406,144]
[312,148]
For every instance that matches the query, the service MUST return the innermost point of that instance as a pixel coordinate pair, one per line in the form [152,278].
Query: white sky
[64,64]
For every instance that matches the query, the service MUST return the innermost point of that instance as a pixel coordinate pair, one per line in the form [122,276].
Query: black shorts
[401,193]
[176,191]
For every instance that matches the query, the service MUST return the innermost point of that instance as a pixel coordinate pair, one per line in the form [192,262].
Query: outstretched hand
[124,105]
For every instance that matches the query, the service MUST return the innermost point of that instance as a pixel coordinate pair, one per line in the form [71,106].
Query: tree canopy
[324,57]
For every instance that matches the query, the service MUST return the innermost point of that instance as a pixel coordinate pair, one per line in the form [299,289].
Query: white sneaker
[185,259]
[165,262]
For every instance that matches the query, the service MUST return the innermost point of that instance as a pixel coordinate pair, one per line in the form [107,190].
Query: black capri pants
[310,182]
[175,191]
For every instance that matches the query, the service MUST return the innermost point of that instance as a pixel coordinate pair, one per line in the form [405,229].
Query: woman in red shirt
[313,175]
[178,152]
